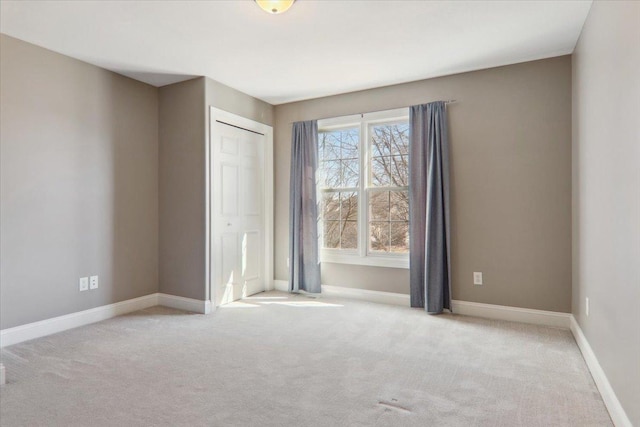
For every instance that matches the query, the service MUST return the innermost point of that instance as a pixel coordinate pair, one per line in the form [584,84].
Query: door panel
[250,150]
[229,273]
[251,265]
[252,204]
[252,262]
[229,145]
[229,186]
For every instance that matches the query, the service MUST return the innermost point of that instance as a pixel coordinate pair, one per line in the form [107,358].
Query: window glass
[339,167]
[389,166]
[381,188]
[339,158]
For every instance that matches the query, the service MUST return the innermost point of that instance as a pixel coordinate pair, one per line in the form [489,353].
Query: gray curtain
[430,256]
[304,269]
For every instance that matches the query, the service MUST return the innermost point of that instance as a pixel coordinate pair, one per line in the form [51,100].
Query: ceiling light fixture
[275,6]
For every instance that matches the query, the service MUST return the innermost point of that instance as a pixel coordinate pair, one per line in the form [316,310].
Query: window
[363,183]
[389,185]
[339,164]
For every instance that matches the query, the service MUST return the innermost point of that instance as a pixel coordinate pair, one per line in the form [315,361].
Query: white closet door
[237,212]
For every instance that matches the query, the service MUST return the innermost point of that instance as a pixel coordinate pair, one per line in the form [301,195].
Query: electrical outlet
[93,282]
[586,306]
[477,278]
[84,284]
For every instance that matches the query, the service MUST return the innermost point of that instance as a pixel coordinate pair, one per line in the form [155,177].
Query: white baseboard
[616,411]
[514,314]
[353,293]
[281,285]
[366,295]
[182,303]
[269,285]
[54,325]
[490,311]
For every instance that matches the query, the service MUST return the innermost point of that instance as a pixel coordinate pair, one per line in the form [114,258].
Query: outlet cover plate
[84,284]
[477,278]
[93,282]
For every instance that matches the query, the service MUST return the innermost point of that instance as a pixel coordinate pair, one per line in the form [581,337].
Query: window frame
[363,255]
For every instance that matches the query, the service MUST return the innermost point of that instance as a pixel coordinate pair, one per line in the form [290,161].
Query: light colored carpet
[281,360]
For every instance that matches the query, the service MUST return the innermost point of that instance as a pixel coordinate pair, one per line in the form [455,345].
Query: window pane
[328,146]
[379,236]
[331,238]
[390,139]
[399,206]
[380,171]
[399,138]
[350,173]
[339,154]
[350,142]
[340,213]
[379,205]
[400,237]
[349,238]
[349,203]
[330,206]
[390,154]
[338,144]
[330,174]
[399,171]
[380,141]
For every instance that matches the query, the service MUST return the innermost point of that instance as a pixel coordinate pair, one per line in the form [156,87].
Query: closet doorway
[240,207]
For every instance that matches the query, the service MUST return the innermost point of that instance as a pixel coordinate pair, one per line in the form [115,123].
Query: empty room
[319,213]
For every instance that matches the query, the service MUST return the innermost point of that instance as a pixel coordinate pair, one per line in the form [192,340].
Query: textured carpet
[280,360]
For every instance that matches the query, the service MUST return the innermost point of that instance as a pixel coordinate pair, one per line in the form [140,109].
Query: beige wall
[78,184]
[511,181]
[103,175]
[606,193]
[236,102]
[93,187]
[182,189]
[184,127]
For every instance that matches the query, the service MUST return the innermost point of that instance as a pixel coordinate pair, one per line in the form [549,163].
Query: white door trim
[267,131]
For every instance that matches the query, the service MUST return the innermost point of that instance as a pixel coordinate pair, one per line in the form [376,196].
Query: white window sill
[371,260]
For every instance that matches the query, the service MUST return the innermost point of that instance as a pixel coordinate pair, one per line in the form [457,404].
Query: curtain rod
[447,102]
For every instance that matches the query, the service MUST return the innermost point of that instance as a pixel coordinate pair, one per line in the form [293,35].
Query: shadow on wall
[134,195]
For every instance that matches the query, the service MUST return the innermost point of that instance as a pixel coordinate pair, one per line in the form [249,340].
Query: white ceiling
[317,48]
